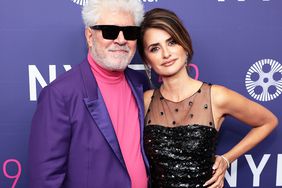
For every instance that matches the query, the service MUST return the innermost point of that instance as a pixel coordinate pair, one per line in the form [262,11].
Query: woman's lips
[169,62]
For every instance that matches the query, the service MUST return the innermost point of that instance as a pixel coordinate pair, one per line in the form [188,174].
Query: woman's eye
[172,42]
[155,49]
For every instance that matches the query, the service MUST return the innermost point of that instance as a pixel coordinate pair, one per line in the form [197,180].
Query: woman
[184,115]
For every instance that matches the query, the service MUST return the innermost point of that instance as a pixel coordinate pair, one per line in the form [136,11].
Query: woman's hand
[219,169]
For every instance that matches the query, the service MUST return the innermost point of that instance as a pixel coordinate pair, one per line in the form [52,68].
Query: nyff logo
[264,80]
[84,2]
[80,2]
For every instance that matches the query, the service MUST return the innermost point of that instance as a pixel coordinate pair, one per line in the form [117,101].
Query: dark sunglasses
[111,31]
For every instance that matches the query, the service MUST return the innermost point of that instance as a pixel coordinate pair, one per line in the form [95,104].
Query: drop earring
[148,70]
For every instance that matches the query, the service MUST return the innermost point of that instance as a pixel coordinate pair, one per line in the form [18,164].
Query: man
[87,130]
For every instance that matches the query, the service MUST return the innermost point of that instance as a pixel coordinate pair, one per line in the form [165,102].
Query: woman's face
[162,52]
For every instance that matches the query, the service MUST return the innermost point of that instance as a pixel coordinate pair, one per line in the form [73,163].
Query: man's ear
[89,37]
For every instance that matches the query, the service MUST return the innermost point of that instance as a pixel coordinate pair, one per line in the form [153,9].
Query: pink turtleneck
[123,111]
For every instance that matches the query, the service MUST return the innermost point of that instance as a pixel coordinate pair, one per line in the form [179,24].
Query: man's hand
[219,169]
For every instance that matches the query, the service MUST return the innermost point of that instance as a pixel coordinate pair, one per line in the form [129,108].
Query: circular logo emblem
[80,2]
[264,80]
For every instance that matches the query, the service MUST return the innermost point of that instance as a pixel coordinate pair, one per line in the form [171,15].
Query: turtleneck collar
[103,75]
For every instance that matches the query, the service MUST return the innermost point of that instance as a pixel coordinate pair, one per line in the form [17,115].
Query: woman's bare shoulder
[148,95]
[220,94]
[147,98]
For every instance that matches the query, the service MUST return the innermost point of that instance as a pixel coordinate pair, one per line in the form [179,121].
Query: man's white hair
[92,11]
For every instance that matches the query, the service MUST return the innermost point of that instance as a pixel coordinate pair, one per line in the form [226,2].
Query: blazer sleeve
[49,141]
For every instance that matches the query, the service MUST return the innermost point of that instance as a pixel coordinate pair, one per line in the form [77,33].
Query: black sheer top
[180,140]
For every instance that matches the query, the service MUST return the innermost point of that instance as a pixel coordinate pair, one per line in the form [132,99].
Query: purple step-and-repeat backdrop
[237,43]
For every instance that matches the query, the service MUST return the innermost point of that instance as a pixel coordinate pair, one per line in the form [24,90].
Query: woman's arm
[262,121]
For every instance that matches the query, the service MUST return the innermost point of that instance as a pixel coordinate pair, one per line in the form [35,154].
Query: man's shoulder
[68,82]
[135,74]
[138,77]
[66,77]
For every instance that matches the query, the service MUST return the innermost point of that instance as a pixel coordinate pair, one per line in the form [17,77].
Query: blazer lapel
[97,108]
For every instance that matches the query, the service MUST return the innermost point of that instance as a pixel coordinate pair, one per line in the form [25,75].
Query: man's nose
[120,39]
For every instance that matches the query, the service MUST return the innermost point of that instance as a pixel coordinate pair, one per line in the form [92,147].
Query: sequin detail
[181,156]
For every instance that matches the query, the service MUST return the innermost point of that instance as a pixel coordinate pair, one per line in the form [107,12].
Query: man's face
[113,54]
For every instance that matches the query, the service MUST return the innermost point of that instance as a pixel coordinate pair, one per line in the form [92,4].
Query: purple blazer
[72,140]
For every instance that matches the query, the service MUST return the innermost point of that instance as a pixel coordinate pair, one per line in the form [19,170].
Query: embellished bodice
[180,140]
